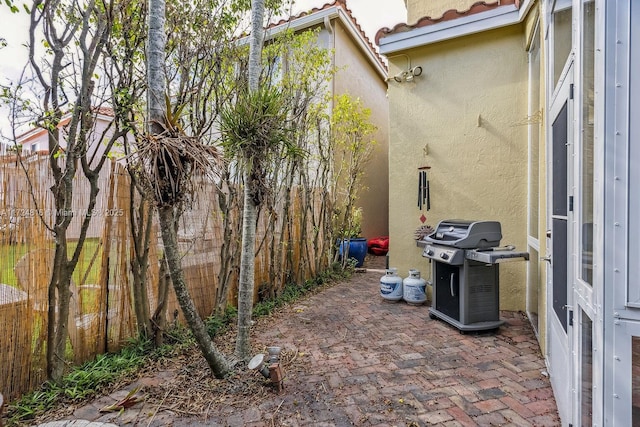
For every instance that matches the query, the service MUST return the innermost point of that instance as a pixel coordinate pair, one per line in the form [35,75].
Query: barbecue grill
[465,272]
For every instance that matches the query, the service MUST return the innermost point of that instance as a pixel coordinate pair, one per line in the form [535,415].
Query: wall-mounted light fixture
[409,74]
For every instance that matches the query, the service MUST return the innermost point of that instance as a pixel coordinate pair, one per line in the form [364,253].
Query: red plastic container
[378,245]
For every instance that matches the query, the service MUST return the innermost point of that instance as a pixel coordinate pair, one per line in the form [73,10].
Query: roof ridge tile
[448,15]
[343,5]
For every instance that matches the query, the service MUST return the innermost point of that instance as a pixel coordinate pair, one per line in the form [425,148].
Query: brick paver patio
[371,362]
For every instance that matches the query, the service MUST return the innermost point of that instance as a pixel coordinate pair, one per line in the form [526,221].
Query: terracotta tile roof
[105,111]
[337,3]
[313,10]
[449,15]
[36,131]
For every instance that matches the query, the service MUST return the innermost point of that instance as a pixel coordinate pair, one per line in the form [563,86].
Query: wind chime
[424,201]
[424,197]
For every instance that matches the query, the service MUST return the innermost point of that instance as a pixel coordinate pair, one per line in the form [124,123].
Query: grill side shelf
[495,256]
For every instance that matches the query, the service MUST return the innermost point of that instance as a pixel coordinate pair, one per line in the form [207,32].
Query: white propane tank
[391,285]
[415,288]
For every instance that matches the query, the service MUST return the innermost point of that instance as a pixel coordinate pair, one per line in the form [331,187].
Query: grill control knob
[429,252]
[444,256]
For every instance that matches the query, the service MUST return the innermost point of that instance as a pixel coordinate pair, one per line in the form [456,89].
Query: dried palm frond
[166,163]
[129,400]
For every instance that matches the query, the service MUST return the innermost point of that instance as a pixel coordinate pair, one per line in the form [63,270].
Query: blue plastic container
[357,248]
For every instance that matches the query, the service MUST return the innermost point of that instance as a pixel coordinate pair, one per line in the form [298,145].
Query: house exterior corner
[464,118]
[359,75]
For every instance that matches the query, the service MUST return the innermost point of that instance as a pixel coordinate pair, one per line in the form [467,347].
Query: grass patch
[88,380]
[9,257]
[86,269]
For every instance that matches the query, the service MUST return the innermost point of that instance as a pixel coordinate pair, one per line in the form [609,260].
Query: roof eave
[29,135]
[319,18]
[464,26]
[304,22]
[38,131]
[362,44]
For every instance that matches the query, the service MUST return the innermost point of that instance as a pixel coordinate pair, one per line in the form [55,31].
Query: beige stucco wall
[417,9]
[464,118]
[357,77]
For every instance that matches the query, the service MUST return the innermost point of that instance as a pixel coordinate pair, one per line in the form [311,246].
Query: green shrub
[292,292]
[87,380]
[219,324]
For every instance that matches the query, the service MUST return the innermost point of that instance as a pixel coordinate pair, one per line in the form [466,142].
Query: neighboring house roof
[13,158]
[103,113]
[336,9]
[480,16]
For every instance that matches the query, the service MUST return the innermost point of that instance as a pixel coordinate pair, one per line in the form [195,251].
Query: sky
[370,14]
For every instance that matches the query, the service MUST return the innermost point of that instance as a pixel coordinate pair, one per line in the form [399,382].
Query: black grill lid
[465,234]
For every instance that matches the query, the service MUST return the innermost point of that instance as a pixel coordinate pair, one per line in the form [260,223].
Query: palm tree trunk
[247,260]
[246,280]
[167,213]
[216,360]
[155,66]
[255,44]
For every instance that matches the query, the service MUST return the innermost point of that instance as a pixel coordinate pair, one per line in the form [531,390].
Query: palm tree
[169,159]
[251,199]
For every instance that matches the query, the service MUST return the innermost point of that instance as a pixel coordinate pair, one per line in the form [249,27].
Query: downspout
[330,30]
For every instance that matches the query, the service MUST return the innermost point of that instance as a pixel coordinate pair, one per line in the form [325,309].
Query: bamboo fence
[101,318]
